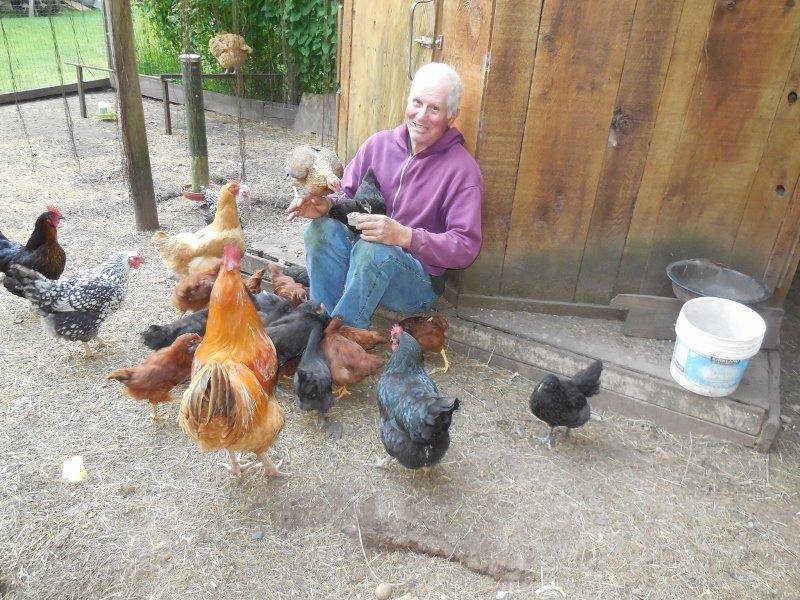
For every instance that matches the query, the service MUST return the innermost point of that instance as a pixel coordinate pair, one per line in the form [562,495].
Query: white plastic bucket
[715,339]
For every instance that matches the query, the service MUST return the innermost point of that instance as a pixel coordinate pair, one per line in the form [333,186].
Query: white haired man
[433,190]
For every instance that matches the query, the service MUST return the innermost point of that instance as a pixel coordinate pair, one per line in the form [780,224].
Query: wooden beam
[55,90]
[131,115]
[195,119]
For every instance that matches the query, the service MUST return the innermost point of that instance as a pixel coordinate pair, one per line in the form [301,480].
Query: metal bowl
[697,277]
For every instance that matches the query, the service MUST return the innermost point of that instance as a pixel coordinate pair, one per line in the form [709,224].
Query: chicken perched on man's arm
[75,307]
[563,402]
[230,403]
[41,253]
[190,253]
[159,373]
[415,419]
[429,331]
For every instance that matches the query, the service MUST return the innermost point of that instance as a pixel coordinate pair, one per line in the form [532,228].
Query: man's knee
[322,230]
[372,253]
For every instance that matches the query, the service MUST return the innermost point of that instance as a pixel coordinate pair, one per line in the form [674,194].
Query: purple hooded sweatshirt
[437,193]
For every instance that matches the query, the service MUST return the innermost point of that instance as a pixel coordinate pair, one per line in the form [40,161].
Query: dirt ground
[625,510]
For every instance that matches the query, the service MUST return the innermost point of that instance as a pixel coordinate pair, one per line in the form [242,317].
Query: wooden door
[374,65]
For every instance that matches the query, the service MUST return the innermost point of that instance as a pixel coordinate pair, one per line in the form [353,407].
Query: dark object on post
[368,200]
[700,277]
[195,119]
[131,115]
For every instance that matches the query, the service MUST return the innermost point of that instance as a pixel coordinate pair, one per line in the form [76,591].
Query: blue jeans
[352,277]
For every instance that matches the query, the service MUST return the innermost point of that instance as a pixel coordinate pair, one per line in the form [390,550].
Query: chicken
[290,331]
[286,287]
[192,293]
[312,380]
[190,253]
[415,419]
[270,308]
[159,373]
[75,307]
[315,168]
[366,338]
[42,252]
[429,332]
[230,50]
[367,199]
[562,402]
[211,199]
[230,402]
[348,362]
[298,273]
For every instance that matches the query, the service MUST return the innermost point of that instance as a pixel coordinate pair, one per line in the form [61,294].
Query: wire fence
[32,49]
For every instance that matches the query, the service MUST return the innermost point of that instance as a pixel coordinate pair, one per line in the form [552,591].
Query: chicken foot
[382,462]
[446,367]
[340,391]
[235,467]
[156,415]
[548,439]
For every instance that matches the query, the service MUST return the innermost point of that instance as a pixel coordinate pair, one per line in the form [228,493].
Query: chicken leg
[447,364]
[156,415]
[548,439]
[87,351]
[340,391]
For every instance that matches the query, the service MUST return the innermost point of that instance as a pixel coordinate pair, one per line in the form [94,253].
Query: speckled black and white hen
[73,308]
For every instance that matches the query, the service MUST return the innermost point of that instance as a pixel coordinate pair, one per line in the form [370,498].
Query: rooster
[315,168]
[159,373]
[230,403]
[415,418]
[75,307]
[230,50]
[42,252]
[562,402]
[189,253]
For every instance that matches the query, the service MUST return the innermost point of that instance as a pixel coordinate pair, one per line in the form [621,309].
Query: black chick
[415,419]
[562,402]
[312,380]
[271,307]
[368,199]
[290,332]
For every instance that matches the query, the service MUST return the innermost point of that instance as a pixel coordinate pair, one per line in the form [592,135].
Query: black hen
[368,199]
[42,252]
[562,402]
[312,380]
[415,419]
[270,308]
[290,332]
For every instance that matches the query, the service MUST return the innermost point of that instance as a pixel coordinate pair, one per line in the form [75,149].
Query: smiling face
[426,113]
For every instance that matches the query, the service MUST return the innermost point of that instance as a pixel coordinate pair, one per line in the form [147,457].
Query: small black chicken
[367,199]
[312,380]
[415,418]
[290,332]
[562,402]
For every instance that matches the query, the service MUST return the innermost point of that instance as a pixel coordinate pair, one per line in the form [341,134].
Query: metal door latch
[428,42]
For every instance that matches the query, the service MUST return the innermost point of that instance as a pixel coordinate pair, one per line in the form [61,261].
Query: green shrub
[165,28]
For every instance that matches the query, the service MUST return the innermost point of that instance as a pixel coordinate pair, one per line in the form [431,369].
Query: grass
[29,42]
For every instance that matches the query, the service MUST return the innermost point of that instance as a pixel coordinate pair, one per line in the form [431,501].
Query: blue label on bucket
[708,371]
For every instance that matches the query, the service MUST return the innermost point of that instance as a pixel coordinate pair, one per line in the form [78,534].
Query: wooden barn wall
[615,136]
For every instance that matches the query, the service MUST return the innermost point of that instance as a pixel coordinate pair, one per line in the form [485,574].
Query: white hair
[437,72]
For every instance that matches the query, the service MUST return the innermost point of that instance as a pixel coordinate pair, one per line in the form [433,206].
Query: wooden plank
[515,31]
[772,424]
[579,60]
[343,93]
[652,36]
[774,187]
[378,65]
[47,92]
[785,254]
[685,56]
[548,307]
[742,73]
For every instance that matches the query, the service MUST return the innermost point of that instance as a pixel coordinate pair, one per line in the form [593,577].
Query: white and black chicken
[73,308]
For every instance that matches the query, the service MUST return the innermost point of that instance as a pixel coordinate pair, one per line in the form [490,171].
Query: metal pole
[195,119]
[165,98]
[81,94]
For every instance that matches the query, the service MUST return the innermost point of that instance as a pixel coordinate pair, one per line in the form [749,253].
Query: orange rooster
[230,403]
[189,253]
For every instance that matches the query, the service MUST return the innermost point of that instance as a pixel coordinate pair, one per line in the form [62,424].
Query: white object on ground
[73,469]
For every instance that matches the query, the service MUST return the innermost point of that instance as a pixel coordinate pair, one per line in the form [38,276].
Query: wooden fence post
[131,115]
[195,119]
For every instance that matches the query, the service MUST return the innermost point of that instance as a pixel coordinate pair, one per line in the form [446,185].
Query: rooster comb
[396,330]
[54,209]
[233,252]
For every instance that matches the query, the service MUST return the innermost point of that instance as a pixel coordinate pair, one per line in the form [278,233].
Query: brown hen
[429,332]
[286,287]
[193,292]
[159,373]
[348,362]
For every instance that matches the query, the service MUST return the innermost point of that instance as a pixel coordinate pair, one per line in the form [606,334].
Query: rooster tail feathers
[588,380]
[120,374]
[221,396]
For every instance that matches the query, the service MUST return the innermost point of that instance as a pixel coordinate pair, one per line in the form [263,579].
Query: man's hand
[307,206]
[382,229]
